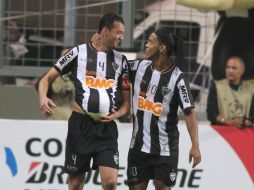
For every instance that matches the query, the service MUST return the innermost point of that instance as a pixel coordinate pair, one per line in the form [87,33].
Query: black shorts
[143,167]
[89,140]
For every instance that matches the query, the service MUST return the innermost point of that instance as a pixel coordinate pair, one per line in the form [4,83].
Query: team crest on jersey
[172,176]
[165,90]
[116,158]
[115,65]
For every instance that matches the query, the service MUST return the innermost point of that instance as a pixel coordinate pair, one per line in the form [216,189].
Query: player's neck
[162,64]
[101,47]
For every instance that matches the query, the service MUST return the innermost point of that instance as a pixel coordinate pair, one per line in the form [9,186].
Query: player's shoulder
[141,61]
[82,46]
[138,63]
[178,72]
[117,53]
[119,56]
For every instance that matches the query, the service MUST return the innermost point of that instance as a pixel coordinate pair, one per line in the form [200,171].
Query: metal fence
[33,32]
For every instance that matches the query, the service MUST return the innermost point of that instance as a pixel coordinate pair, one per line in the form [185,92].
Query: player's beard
[152,56]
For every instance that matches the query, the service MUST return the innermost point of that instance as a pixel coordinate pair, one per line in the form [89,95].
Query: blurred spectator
[231,100]
[234,39]
[235,29]
[61,92]
[15,46]
[11,31]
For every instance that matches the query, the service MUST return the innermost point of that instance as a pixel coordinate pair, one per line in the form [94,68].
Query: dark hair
[108,21]
[173,42]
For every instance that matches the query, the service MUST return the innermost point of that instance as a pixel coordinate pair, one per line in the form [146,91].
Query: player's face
[234,70]
[115,35]
[152,47]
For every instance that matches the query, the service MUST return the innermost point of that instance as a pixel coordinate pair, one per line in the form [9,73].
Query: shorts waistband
[82,115]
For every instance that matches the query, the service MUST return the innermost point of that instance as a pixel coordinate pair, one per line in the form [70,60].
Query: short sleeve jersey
[156,99]
[98,77]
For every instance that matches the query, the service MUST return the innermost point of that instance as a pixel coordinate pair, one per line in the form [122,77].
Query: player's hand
[112,116]
[194,156]
[95,39]
[46,105]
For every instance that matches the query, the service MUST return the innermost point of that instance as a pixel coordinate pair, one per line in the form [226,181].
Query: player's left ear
[162,48]
[104,31]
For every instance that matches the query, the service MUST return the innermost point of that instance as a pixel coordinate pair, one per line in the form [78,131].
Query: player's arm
[121,111]
[45,102]
[124,85]
[62,66]
[187,105]
[125,106]
[125,89]
[191,123]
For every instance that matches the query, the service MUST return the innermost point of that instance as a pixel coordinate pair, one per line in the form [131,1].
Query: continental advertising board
[32,155]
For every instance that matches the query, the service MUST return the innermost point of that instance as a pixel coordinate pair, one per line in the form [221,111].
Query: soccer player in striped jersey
[100,77]
[159,88]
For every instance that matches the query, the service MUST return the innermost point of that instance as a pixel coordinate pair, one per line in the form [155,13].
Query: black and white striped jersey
[156,99]
[98,77]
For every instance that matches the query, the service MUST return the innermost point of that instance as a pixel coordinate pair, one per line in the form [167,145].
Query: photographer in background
[231,100]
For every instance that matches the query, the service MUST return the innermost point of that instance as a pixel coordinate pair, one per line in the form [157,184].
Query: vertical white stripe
[153,85]
[81,73]
[104,102]
[163,136]
[146,132]
[138,79]
[118,58]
